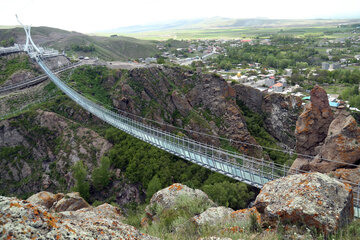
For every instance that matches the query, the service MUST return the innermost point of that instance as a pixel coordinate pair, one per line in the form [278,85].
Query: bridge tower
[27,47]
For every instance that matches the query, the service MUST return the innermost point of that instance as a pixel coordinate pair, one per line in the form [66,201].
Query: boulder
[168,197]
[243,215]
[307,199]
[351,175]
[45,199]
[70,202]
[213,216]
[342,145]
[23,220]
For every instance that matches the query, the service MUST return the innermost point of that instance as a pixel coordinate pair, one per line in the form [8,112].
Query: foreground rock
[213,216]
[45,199]
[70,202]
[23,220]
[309,199]
[168,197]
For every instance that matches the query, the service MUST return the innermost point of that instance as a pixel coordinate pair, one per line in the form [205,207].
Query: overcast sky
[90,16]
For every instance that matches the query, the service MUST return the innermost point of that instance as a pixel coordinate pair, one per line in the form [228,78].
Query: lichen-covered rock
[351,175]
[168,197]
[45,199]
[70,202]
[342,145]
[243,215]
[213,216]
[314,199]
[22,220]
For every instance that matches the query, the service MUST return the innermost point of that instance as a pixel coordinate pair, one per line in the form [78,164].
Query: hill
[108,48]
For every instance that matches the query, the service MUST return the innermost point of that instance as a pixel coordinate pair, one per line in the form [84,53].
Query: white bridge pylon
[27,29]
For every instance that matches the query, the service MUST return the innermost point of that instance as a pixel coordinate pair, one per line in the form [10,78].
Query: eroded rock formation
[313,124]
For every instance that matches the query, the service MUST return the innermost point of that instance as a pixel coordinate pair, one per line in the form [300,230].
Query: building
[150,60]
[278,87]
[325,66]
[269,82]
[335,66]
[288,72]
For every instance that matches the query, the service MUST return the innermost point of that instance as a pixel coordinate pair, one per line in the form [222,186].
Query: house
[269,82]
[278,87]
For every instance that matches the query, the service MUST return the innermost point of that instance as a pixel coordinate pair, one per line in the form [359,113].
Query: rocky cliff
[333,139]
[39,148]
[280,111]
[193,101]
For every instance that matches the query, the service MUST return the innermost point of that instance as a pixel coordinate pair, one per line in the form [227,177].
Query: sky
[90,16]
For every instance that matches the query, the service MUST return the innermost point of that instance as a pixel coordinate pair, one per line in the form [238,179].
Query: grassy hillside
[108,48]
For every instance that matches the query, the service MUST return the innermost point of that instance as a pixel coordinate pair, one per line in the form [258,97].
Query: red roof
[278,85]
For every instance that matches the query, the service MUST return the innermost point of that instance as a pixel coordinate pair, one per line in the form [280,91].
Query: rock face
[45,144]
[308,198]
[251,97]
[194,101]
[338,148]
[168,197]
[23,220]
[313,124]
[342,144]
[280,111]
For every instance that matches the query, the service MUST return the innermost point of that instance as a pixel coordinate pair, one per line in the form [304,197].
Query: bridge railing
[250,170]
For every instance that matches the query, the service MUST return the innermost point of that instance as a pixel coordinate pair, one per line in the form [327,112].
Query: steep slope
[192,101]
[42,147]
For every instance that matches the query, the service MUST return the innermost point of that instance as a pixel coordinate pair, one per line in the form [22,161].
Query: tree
[234,195]
[81,184]
[154,186]
[101,175]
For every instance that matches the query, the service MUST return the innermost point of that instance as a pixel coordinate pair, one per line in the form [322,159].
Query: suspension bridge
[253,171]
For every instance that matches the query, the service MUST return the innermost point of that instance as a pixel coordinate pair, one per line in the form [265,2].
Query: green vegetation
[89,81]
[255,124]
[7,42]
[101,176]
[282,54]
[81,48]
[81,184]
[11,66]
[156,169]
[228,194]
[352,95]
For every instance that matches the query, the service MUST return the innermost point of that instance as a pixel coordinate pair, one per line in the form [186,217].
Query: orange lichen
[176,187]
[15,204]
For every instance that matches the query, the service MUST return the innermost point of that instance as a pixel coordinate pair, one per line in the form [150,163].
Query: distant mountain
[219,23]
[108,48]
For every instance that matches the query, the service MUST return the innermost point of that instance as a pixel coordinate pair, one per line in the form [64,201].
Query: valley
[229,103]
